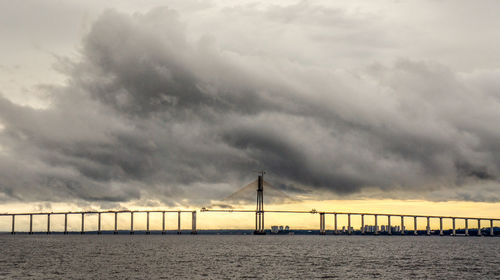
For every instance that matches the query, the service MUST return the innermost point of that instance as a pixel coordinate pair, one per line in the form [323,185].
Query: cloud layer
[150,111]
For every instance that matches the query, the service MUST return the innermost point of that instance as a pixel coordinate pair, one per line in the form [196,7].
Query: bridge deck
[349,213]
[97,212]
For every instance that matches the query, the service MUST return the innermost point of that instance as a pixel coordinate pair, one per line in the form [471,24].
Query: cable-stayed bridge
[259,216]
[259,186]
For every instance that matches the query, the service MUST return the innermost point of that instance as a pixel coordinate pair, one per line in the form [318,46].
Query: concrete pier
[163,223]
[116,223]
[454,232]
[13,224]
[428,226]
[479,227]
[441,226]
[179,223]
[48,223]
[66,223]
[491,228]
[322,223]
[362,224]
[83,224]
[98,223]
[132,222]
[336,230]
[402,225]
[415,227]
[193,223]
[376,225]
[147,223]
[349,228]
[389,230]
[466,227]
[31,224]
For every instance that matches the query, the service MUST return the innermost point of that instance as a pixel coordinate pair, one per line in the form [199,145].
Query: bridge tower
[259,212]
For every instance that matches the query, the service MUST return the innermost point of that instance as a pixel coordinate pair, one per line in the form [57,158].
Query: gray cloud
[150,112]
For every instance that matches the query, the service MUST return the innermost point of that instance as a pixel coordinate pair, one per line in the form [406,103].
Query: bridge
[322,223]
[259,218]
[83,214]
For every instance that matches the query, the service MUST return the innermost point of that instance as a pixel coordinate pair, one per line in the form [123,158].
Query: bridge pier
[131,222]
[66,223]
[163,223]
[362,224]
[83,224]
[479,233]
[415,232]
[466,227]
[428,226]
[179,222]
[389,230]
[349,228]
[454,232]
[147,223]
[193,223]
[492,233]
[441,226]
[98,223]
[402,225]
[321,223]
[13,224]
[31,224]
[116,223]
[48,223]
[376,224]
[335,224]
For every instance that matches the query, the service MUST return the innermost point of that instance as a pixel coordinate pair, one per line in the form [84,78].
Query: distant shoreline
[459,232]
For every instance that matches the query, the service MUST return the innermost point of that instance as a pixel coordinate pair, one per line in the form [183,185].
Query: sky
[176,104]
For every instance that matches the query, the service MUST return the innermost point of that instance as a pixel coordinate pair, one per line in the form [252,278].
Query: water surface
[229,257]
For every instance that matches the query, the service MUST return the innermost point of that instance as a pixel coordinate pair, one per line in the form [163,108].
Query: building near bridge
[370,228]
[279,229]
[383,228]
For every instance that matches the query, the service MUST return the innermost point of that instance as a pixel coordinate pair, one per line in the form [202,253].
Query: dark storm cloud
[148,112]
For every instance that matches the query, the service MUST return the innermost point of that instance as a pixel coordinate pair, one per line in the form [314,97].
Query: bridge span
[259,218]
[83,214]
[260,224]
[322,221]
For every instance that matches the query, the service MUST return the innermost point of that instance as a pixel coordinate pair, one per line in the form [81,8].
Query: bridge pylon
[259,212]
